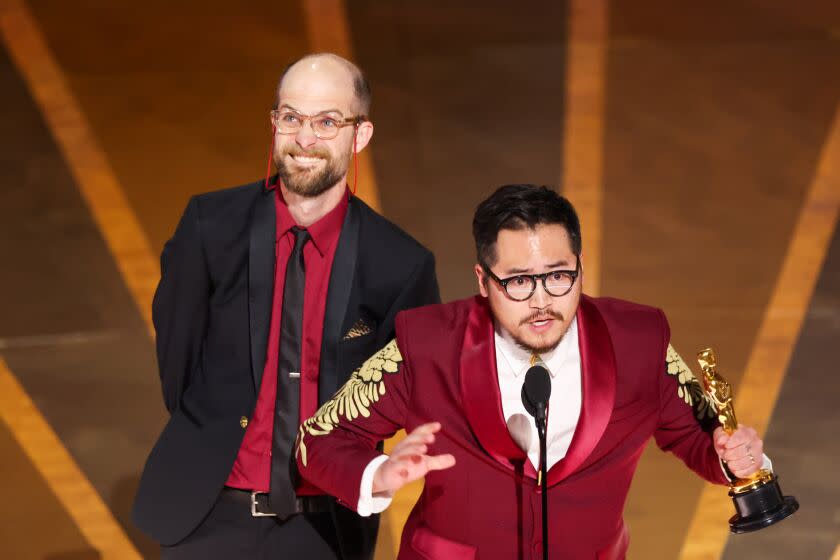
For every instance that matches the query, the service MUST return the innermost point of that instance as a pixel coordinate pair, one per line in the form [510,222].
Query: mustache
[542,315]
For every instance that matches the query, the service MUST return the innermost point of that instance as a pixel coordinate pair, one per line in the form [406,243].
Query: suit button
[243,422]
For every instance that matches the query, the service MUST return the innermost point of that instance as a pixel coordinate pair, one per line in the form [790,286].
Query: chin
[541,344]
[545,347]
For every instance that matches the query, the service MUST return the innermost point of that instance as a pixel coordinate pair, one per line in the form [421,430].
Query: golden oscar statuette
[758,499]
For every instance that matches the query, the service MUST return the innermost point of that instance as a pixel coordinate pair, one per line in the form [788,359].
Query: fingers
[430,427]
[417,466]
[425,429]
[743,468]
[440,462]
[744,435]
[416,444]
[421,435]
[742,451]
[720,438]
[406,452]
[409,461]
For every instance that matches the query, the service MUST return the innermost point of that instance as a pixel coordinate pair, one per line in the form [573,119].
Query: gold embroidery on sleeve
[355,398]
[690,389]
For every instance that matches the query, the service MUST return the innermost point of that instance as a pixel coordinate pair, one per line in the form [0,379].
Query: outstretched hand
[408,460]
[742,451]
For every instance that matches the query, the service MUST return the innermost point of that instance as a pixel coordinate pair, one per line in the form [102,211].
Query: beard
[545,346]
[309,182]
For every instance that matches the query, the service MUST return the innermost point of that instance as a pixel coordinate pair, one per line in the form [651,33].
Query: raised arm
[335,446]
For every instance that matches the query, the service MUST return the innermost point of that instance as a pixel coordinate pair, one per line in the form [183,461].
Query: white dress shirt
[563,364]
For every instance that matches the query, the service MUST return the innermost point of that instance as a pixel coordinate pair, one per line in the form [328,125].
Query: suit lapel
[338,296]
[479,381]
[598,370]
[261,259]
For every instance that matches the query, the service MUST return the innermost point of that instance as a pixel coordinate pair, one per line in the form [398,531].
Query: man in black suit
[271,294]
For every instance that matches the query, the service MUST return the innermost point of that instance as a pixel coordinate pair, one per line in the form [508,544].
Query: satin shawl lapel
[479,381]
[597,361]
[338,295]
[261,259]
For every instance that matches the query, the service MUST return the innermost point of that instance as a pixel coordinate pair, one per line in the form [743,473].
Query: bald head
[326,74]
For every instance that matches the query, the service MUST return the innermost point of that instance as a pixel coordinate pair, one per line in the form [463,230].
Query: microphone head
[536,389]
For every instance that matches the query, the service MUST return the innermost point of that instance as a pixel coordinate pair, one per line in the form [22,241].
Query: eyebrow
[551,266]
[324,112]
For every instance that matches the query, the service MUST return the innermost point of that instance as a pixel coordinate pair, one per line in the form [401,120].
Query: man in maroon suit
[453,379]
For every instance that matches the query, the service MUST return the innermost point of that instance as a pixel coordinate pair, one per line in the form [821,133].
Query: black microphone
[536,391]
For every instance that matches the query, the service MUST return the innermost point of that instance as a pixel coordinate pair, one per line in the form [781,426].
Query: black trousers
[229,532]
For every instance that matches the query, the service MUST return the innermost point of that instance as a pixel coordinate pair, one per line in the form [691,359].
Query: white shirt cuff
[766,464]
[368,503]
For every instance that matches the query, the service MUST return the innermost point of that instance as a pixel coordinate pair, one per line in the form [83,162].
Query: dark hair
[518,207]
[361,86]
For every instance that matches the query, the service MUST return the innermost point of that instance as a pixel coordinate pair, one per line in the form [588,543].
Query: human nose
[305,136]
[541,298]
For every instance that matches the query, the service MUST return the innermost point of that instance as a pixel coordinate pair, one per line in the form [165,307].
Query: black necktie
[287,405]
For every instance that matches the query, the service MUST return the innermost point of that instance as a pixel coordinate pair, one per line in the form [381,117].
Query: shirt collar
[323,233]
[519,360]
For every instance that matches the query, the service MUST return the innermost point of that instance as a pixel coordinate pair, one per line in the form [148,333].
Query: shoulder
[440,317]
[433,332]
[227,212]
[218,216]
[628,316]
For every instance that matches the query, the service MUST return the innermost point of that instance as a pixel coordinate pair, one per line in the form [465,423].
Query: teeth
[304,159]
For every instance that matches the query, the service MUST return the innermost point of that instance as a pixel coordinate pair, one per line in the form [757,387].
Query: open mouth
[543,321]
[541,324]
[306,160]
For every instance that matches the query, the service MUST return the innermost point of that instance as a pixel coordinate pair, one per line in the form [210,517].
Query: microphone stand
[541,420]
[536,391]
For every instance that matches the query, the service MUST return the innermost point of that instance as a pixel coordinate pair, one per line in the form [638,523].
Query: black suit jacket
[211,312]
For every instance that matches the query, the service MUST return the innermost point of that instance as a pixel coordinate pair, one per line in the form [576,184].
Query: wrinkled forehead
[317,85]
[520,248]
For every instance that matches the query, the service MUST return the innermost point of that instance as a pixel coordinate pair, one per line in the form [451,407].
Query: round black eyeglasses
[556,283]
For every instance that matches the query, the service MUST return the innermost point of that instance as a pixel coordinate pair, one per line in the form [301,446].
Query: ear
[482,281]
[364,132]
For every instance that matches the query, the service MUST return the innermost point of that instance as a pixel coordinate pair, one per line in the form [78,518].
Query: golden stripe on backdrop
[61,473]
[756,396]
[90,168]
[127,244]
[583,141]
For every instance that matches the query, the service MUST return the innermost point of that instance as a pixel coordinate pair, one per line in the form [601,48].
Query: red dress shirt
[252,468]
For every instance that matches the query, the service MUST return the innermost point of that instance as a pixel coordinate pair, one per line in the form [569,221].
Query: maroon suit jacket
[443,368]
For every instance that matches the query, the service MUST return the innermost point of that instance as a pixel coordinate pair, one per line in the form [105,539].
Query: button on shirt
[563,364]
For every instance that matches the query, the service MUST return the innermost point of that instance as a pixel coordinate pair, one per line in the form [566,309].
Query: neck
[306,210]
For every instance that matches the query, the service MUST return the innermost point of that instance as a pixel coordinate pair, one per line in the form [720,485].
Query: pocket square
[360,328]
